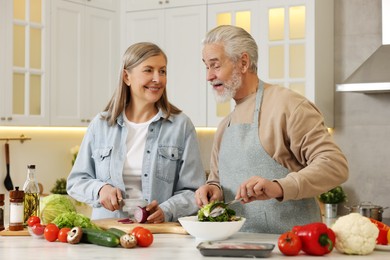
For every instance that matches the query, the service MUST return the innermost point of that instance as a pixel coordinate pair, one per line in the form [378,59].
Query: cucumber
[100,237]
[116,232]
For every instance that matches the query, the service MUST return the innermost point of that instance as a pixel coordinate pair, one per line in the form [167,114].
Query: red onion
[140,214]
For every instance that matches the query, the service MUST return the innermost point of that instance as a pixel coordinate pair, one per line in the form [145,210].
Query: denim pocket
[167,163]
[102,158]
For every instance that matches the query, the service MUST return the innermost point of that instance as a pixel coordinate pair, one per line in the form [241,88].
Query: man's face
[223,75]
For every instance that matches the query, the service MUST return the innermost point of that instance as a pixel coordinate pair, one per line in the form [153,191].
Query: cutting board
[7,232]
[166,227]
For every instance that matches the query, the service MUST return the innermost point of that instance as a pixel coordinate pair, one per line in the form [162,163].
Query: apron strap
[259,100]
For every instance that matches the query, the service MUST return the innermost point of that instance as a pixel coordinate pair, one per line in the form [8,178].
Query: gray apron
[242,156]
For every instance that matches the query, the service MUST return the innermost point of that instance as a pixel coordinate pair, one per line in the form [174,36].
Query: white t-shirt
[132,169]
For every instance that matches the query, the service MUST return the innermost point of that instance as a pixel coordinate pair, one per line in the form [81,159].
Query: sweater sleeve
[324,166]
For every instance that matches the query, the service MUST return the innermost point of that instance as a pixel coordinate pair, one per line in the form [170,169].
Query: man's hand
[207,193]
[258,188]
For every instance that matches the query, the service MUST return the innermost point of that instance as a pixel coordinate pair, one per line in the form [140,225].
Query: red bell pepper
[382,235]
[317,238]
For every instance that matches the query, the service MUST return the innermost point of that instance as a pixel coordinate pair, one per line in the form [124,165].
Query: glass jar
[16,209]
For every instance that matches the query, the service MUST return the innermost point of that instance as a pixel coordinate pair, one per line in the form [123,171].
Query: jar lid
[1,197]
[16,194]
[31,166]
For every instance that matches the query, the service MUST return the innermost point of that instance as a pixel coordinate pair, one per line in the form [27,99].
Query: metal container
[367,209]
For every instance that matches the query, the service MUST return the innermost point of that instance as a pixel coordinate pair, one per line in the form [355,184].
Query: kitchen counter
[165,246]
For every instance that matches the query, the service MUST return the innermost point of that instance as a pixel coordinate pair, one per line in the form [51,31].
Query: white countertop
[165,246]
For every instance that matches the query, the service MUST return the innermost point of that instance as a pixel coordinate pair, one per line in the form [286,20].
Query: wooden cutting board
[7,232]
[166,227]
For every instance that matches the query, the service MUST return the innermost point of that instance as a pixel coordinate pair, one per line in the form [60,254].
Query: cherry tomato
[63,235]
[33,220]
[289,243]
[144,237]
[38,229]
[51,232]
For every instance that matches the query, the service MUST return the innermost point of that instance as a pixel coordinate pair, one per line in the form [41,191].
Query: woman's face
[147,81]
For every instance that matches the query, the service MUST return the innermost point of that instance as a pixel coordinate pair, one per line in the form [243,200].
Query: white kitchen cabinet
[178,30]
[295,39]
[85,61]
[137,5]
[24,69]
[103,4]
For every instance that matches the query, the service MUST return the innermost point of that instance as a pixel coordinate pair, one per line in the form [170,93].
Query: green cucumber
[116,232]
[100,237]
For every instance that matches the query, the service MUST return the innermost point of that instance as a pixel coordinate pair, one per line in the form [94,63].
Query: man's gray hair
[235,41]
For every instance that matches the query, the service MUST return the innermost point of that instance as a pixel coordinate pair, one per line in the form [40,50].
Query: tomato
[38,229]
[144,237]
[135,230]
[33,220]
[51,232]
[63,235]
[289,243]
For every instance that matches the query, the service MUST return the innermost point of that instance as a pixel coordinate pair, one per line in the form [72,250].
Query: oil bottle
[31,194]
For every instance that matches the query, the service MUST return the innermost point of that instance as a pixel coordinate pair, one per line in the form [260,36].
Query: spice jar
[16,209]
[1,212]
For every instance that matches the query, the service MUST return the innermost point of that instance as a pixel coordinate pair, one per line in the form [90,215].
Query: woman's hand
[258,188]
[207,193]
[156,215]
[110,197]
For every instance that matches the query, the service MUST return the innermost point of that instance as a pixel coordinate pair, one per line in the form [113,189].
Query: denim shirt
[171,171]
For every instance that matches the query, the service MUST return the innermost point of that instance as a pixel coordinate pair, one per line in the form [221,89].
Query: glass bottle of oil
[31,194]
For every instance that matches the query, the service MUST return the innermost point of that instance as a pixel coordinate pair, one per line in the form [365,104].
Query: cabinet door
[187,87]
[178,31]
[145,26]
[243,14]
[24,74]
[102,61]
[85,60]
[68,59]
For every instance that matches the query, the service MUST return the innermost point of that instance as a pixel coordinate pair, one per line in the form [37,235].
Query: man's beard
[230,87]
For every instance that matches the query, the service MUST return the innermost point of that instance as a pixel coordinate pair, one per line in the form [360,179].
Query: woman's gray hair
[235,41]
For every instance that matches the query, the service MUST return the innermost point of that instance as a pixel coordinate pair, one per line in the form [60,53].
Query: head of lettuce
[54,205]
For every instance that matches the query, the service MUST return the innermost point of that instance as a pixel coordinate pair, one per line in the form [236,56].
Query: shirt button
[151,130]
[147,151]
[146,175]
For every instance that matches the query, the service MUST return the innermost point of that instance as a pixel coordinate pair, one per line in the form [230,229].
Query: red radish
[140,214]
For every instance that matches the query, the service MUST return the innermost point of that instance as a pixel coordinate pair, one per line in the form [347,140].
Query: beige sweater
[292,132]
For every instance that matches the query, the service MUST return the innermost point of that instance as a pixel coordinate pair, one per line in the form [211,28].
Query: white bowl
[210,231]
[131,204]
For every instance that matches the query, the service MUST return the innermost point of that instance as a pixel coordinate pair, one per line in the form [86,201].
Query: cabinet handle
[2,118]
[167,1]
[160,2]
[82,120]
[9,118]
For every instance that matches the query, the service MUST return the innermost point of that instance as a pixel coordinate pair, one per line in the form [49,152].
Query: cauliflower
[355,234]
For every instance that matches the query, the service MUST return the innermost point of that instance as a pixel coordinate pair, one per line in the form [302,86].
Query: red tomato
[33,220]
[38,229]
[144,237]
[63,235]
[135,230]
[289,243]
[51,232]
